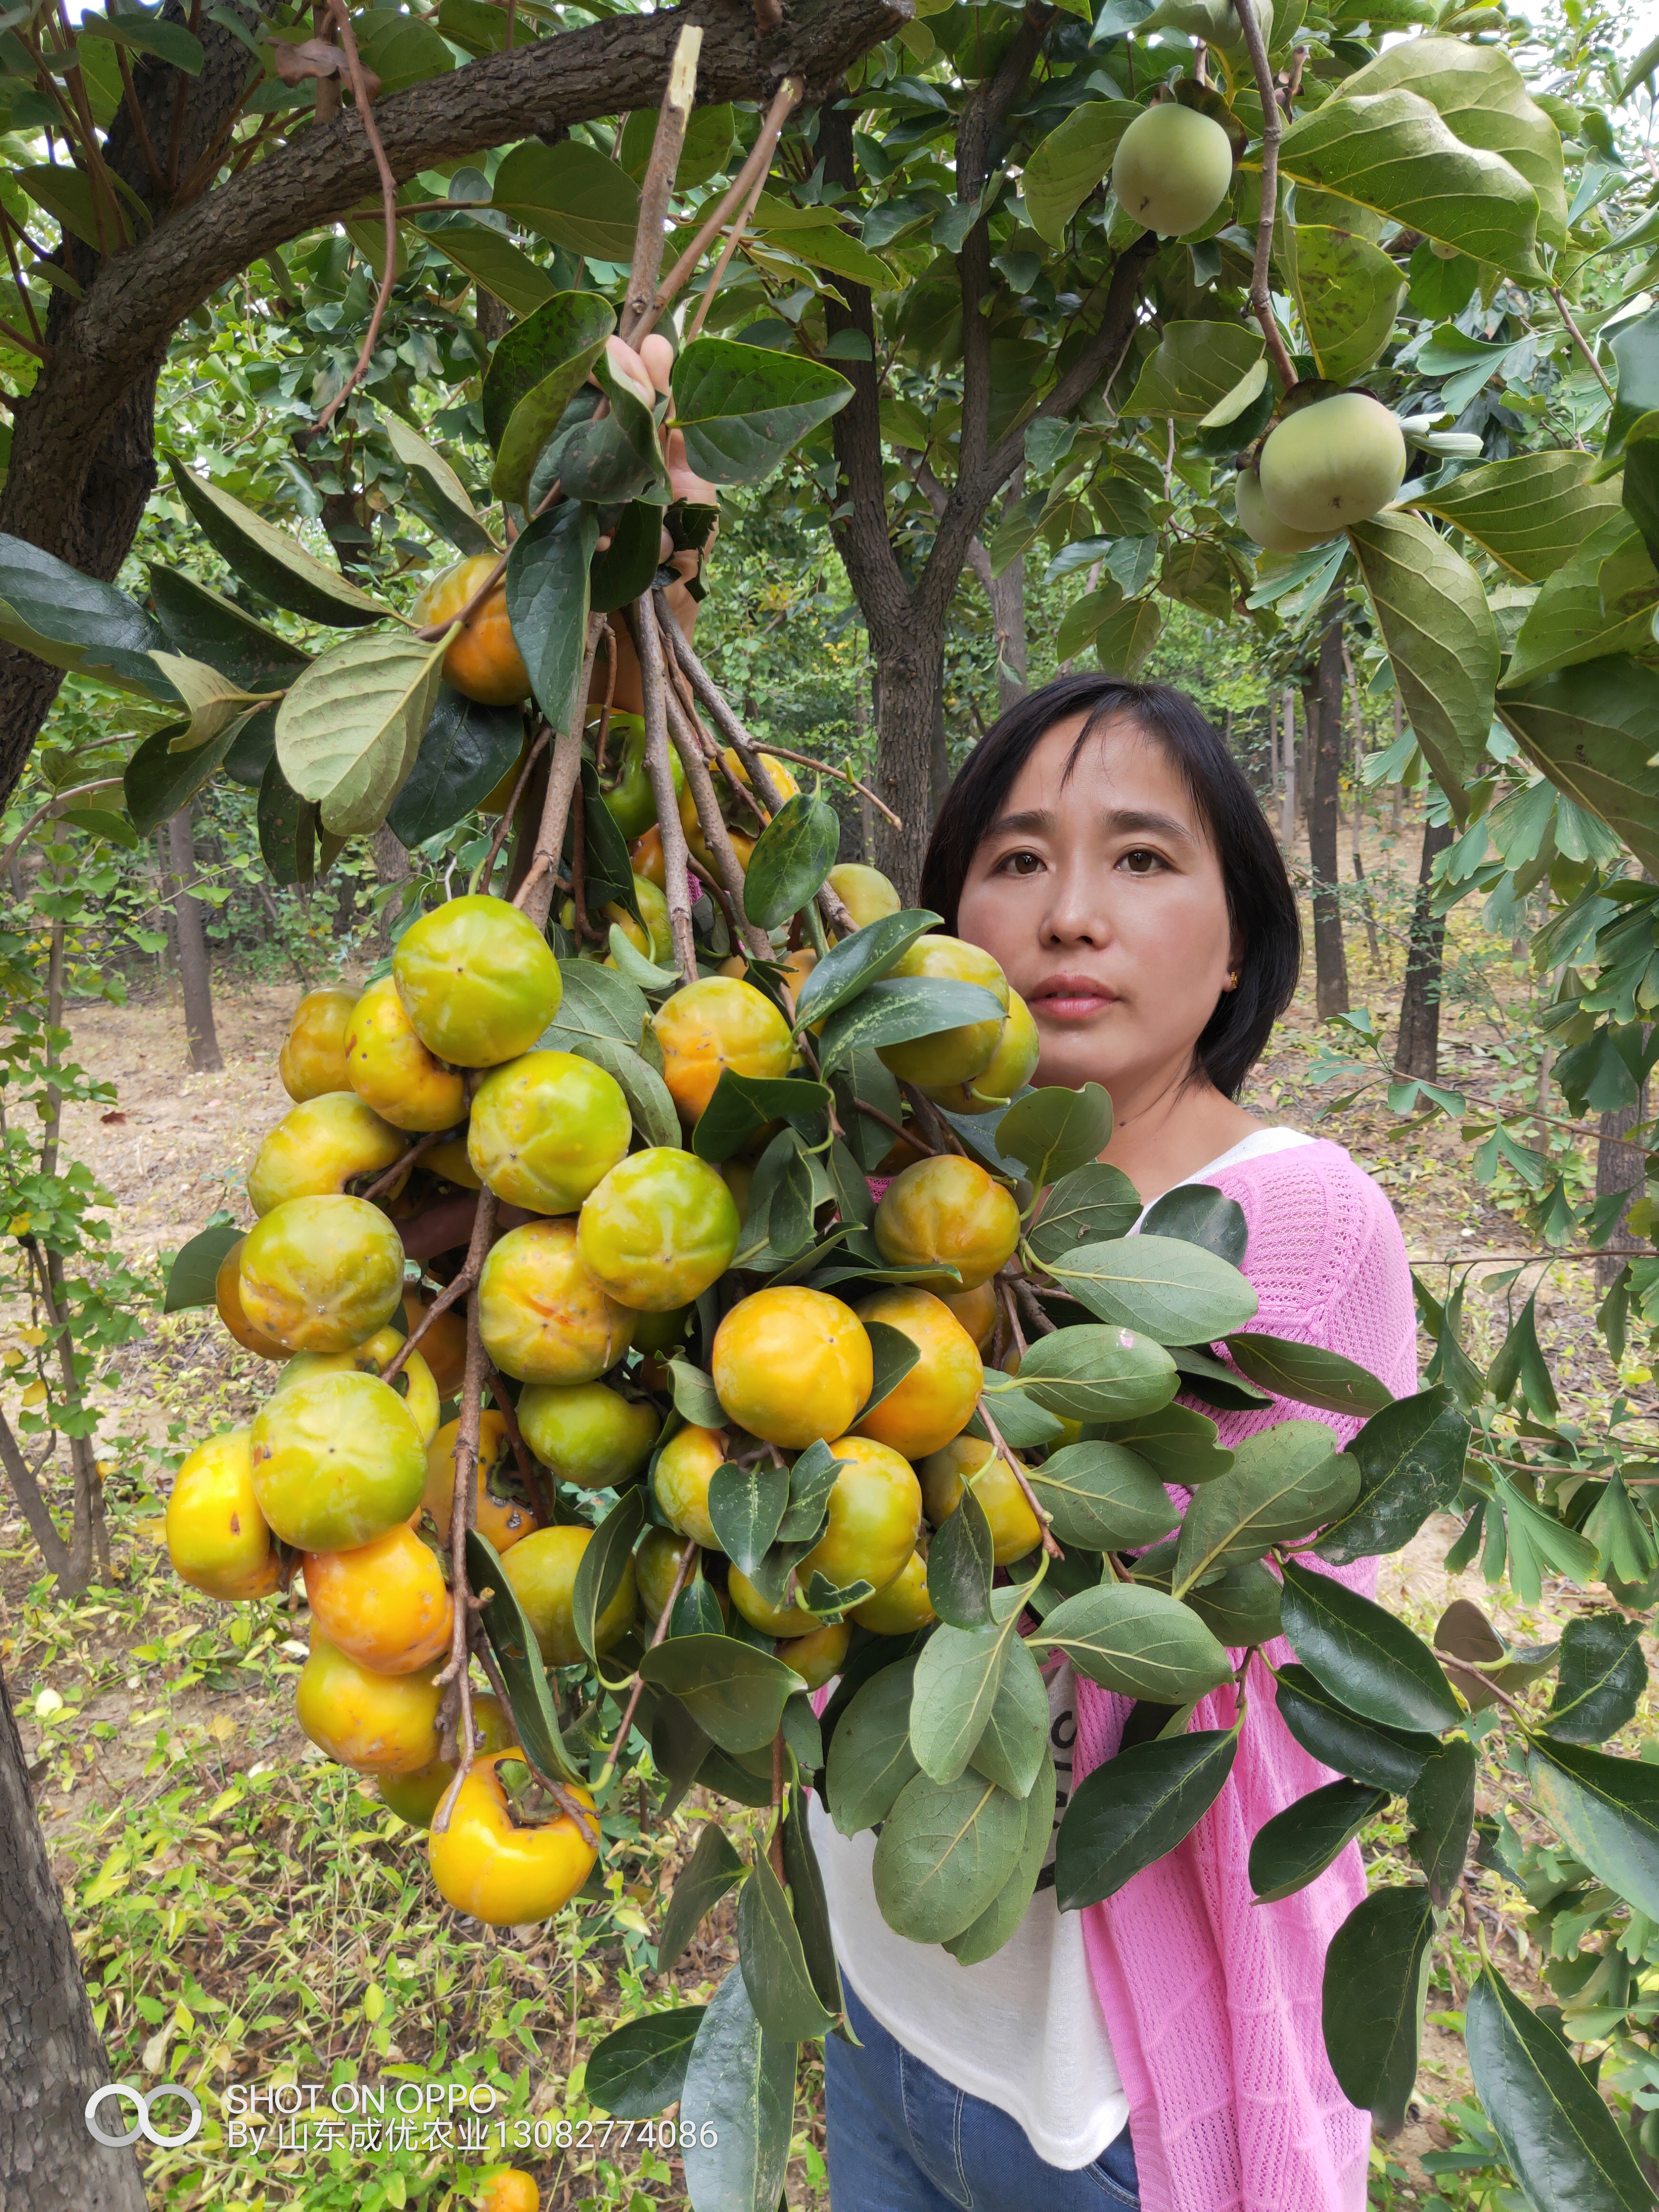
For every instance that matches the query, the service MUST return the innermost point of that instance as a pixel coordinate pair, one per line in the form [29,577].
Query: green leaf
[492,261]
[1383,1948]
[1054,1133]
[1066,167]
[1178,1445]
[960,1564]
[1284,1481]
[1531,513]
[465,750]
[604,1563]
[735,1693]
[793,856]
[350,731]
[1346,292]
[945,1850]
[858,960]
[546,585]
[745,1504]
[518,1656]
[1195,1213]
[1410,1458]
[1134,1808]
[269,560]
[72,620]
[893,1354]
[439,485]
[1441,1808]
[1577,617]
[870,1758]
[1124,640]
[1386,1758]
[1390,151]
[1088,1206]
[809,1906]
[1022,1421]
[1103,1497]
[742,408]
[1136,1641]
[1478,93]
[640,2069]
[694,1397]
[1096,1374]
[207,626]
[1308,1374]
[740,2083]
[998,1921]
[1241,1607]
[957,1677]
[1602,1674]
[1297,1845]
[1606,1812]
[1196,366]
[773,1962]
[1015,1740]
[1563,2144]
[287,827]
[1176,1293]
[169,42]
[195,1266]
[534,372]
[1592,729]
[711,1870]
[1363,1655]
[572,196]
[213,702]
[898,1008]
[1432,611]
[157,781]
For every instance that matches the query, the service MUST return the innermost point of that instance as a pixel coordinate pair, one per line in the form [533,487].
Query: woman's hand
[646,373]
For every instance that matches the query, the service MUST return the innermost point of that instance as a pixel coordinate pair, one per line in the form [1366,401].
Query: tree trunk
[393,866]
[1417,1049]
[1324,703]
[911,673]
[494,317]
[1287,775]
[1619,1167]
[51,2059]
[189,936]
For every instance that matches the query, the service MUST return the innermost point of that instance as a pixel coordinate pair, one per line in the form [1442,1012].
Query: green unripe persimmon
[1333,464]
[1172,169]
[478,980]
[1258,521]
[321,1275]
[588,1433]
[545,1129]
[336,1461]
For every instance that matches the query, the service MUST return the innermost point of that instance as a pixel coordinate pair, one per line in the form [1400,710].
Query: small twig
[672,117]
[675,855]
[842,776]
[463,1515]
[1004,1291]
[1462,1667]
[138,124]
[787,98]
[654,612]
[534,896]
[1019,1475]
[603,737]
[400,1168]
[944,1138]
[911,1136]
[734,236]
[1261,299]
[711,884]
[365,107]
[660,1631]
[1033,1306]
[483,1228]
[59,798]
[1579,339]
[504,827]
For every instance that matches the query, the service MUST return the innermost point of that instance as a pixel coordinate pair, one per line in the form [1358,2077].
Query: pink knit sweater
[1212,2001]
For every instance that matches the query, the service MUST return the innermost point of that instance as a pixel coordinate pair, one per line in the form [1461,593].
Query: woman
[1163,2049]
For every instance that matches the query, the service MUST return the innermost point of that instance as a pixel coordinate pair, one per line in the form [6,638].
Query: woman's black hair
[1261,903]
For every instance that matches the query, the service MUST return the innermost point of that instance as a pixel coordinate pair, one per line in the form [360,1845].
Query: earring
[1232,983]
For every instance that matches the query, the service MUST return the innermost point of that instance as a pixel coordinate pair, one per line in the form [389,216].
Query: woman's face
[1102,896]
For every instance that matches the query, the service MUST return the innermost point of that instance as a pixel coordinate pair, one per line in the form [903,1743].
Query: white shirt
[1022,2029]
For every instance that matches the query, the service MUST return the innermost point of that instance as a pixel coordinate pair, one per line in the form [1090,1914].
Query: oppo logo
[142,2101]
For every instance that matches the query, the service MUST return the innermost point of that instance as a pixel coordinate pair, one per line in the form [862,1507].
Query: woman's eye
[1140,862]
[1019,864]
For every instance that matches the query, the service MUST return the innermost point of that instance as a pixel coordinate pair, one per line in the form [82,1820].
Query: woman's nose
[1075,914]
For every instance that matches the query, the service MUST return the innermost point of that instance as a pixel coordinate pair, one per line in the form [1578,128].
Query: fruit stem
[658,184]
[1261,301]
[534,897]
[1005,1289]
[944,1137]
[911,1136]
[676,858]
[365,107]
[652,612]
[1579,339]
[1044,1517]
[455,1675]
[1032,1305]
[787,97]
[603,737]
[400,1167]
[451,1293]
[656,1636]
[504,827]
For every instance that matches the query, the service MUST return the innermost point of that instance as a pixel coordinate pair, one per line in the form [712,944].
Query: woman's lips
[1070,999]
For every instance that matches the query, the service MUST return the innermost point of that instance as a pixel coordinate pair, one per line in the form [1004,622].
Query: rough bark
[51,2060]
[1619,1167]
[82,462]
[190,937]
[1324,703]
[1417,1049]
[905,622]
[393,866]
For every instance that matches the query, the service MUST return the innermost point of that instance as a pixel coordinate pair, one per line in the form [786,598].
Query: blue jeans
[902,2139]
